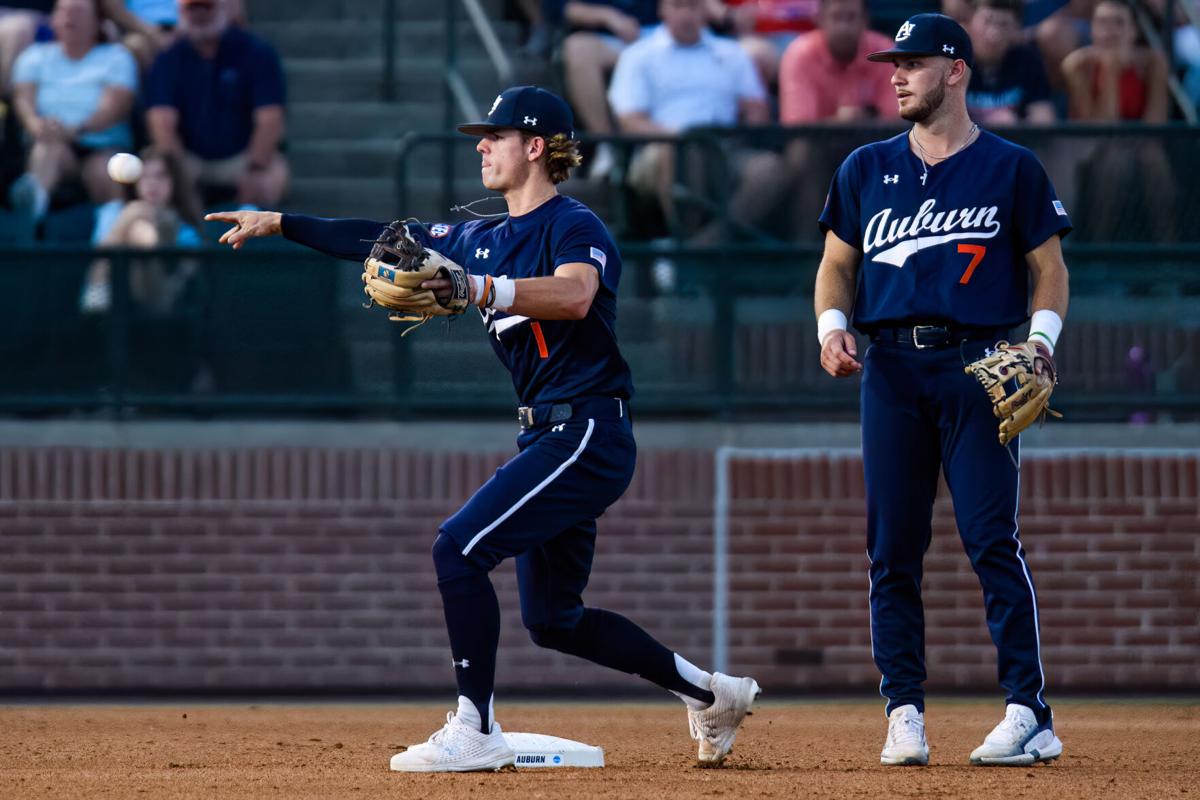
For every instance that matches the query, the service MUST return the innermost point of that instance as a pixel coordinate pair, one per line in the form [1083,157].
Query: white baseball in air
[125,168]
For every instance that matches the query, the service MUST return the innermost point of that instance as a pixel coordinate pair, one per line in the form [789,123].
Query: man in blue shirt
[216,99]
[545,278]
[930,241]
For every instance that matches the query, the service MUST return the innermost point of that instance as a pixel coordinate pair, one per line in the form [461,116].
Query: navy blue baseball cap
[526,108]
[929,35]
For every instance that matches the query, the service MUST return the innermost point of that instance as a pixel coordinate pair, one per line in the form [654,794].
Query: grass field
[1113,748]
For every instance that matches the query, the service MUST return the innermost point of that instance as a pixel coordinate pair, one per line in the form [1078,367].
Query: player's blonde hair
[562,155]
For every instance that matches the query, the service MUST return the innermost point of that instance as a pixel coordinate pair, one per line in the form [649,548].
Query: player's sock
[473,621]
[696,677]
[613,641]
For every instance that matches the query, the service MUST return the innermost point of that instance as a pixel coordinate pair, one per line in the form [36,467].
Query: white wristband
[831,320]
[492,291]
[1046,325]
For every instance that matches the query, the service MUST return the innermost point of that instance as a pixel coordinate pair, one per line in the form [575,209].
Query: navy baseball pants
[922,413]
[541,508]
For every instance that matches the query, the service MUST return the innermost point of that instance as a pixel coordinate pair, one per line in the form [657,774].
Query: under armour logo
[947,49]
[482,252]
[464,663]
[905,31]
[531,120]
[495,105]
[891,178]
[559,428]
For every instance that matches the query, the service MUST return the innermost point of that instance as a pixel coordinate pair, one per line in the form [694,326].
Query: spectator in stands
[825,78]
[216,98]
[147,25]
[19,20]
[1063,32]
[1008,83]
[960,11]
[1127,187]
[73,97]
[1115,78]
[159,196]
[159,217]
[683,77]
[825,75]
[602,29]
[765,28]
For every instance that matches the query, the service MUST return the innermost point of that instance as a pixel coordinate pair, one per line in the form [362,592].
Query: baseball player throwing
[931,238]
[545,279]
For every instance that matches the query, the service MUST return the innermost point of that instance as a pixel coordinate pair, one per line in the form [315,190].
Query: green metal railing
[699,345]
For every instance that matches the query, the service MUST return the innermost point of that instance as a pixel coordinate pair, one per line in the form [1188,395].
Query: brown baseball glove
[1020,394]
[396,268]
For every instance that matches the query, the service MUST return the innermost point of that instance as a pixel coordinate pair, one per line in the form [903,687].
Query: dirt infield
[814,750]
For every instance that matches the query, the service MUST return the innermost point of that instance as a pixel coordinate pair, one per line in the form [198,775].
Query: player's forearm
[1051,291]
[554,297]
[834,286]
[350,239]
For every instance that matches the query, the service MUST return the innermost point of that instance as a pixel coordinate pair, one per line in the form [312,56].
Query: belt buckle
[916,336]
[525,417]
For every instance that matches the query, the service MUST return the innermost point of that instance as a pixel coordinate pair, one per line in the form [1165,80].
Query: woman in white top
[73,97]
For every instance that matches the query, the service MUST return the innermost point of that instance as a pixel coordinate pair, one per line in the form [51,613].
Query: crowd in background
[187,83]
[662,67]
[182,81]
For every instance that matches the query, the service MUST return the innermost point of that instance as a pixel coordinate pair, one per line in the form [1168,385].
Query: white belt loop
[620,408]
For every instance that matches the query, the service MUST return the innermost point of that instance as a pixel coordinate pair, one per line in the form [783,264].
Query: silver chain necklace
[925,157]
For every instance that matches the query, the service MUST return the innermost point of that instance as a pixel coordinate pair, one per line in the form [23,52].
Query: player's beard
[928,105]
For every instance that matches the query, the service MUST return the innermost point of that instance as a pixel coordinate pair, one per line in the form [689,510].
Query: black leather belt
[925,337]
[541,414]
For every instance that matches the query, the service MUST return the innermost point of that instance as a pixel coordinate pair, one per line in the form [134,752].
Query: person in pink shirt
[825,78]
[825,75]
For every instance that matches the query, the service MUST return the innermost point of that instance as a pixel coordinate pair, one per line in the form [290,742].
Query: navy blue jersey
[550,360]
[947,246]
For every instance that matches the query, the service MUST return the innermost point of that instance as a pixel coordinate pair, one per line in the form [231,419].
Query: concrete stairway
[342,136]
[343,141]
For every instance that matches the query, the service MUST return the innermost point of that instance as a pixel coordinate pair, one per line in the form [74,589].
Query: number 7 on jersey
[977,251]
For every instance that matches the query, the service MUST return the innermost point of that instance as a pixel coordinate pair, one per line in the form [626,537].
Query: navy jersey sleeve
[842,205]
[350,239]
[585,240]
[268,86]
[1037,212]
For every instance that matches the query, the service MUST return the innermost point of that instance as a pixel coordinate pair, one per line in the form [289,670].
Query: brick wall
[309,568]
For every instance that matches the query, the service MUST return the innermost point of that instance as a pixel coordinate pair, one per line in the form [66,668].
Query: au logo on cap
[495,104]
[905,31]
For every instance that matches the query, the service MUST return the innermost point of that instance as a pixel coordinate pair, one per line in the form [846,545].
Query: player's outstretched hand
[247,225]
[837,354]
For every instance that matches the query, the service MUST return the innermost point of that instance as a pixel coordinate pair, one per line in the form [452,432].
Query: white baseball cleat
[456,748]
[905,743]
[716,727]
[1018,741]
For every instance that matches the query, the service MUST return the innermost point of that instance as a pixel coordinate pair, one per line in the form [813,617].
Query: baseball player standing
[931,238]
[545,278]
